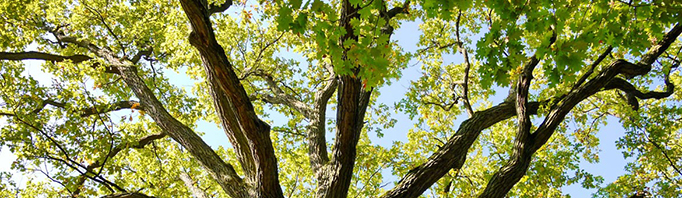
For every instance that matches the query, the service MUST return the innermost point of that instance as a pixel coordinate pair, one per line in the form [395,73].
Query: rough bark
[519,158]
[317,143]
[500,184]
[340,170]
[223,80]
[452,155]
[222,172]
[234,133]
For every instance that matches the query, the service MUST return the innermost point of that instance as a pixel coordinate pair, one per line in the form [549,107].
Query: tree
[564,62]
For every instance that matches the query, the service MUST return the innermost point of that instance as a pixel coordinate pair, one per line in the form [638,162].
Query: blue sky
[610,167]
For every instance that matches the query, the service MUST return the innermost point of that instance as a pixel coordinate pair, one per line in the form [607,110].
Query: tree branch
[45,103]
[557,114]
[404,9]
[592,67]
[444,106]
[196,191]
[68,160]
[465,85]
[516,168]
[222,172]
[317,143]
[33,55]
[223,80]
[633,94]
[106,26]
[141,53]
[104,53]
[234,132]
[138,145]
[452,155]
[340,170]
[281,97]
[504,179]
[98,109]
[127,195]
[665,154]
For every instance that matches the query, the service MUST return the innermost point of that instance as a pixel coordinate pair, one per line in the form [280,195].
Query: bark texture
[236,104]
[222,172]
[500,184]
[250,136]
[453,153]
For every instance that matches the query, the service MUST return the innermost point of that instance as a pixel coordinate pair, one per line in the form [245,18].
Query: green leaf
[284,19]
[317,5]
[295,4]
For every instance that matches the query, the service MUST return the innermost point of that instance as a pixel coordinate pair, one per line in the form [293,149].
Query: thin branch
[374,173]
[632,93]
[465,85]
[141,143]
[98,109]
[592,67]
[257,62]
[34,55]
[670,161]
[438,46]
[56,181]
[445,107]
[45,103]
[106,26]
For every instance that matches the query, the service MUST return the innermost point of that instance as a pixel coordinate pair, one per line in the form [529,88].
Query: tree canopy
[108,119]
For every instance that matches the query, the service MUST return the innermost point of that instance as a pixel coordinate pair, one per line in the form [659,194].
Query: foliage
[89,129]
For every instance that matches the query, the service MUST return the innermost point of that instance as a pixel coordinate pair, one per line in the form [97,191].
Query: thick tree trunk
[224,81]
[337,180]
